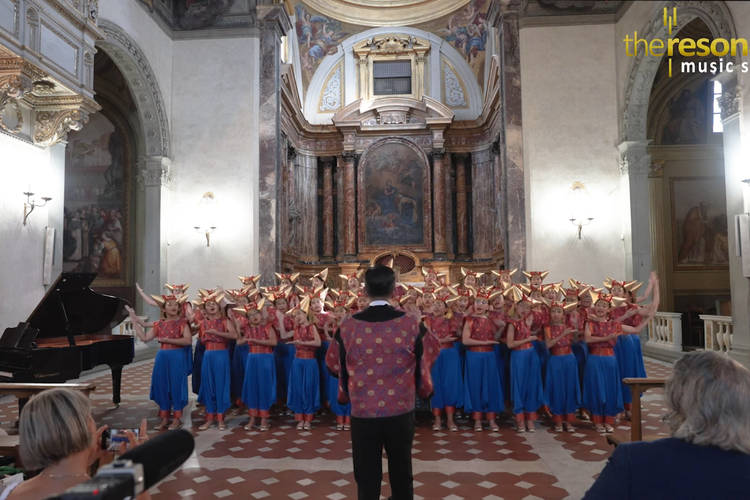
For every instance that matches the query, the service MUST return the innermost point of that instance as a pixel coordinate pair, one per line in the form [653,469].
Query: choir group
[513,348]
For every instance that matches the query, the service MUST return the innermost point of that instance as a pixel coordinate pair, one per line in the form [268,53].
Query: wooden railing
[717,332]
[665,331]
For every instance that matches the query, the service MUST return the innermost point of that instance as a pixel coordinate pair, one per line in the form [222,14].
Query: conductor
[383,357]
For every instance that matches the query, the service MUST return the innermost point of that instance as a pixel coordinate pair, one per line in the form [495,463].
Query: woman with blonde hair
[58,437]
[708,455]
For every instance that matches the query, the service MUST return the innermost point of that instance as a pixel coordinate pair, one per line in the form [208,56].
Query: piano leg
[116,382]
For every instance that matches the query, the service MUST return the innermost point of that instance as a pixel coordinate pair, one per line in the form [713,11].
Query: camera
[112,438]
[122,479]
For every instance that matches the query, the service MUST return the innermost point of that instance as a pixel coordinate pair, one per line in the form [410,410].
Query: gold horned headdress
[565,307]
[251,307]
[250,280]
[607,297]
[163,299]
[177,289]
[541,274]
[628,286]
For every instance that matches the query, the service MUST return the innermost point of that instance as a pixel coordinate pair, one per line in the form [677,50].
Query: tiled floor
[286,464]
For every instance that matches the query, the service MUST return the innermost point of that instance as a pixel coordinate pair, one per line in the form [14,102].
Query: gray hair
[709,399]
[54,425]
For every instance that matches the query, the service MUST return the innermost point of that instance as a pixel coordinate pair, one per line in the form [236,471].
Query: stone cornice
[274,17]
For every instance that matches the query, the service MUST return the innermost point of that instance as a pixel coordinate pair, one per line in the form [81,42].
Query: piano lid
[70,307]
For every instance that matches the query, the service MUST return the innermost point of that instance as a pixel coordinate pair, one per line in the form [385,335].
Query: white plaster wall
[741,18]
[155,44]
[215,143]
[570,133]
[24,166]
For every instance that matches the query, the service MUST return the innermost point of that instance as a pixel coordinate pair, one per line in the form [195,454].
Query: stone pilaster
[328,228]
[289,238]
[274,23]
[634,168]
[154,175]
[483,202]
[499,216]
[438,195]
[448,175]
[350,211]
[462,212]
[306,178]
[656,225]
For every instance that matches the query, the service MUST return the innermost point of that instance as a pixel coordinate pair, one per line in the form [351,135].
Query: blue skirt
[320,357]
[333,397]
[446,379]
[482,391]
[239,361]
[214,391]
[527,393]
[169,380]
[543,353]
[602,392]
[629,361]
[581,352]
[189,355]
[259,386]
[503,367]
[304,387]
[283,355]
[563,391]
[200,348]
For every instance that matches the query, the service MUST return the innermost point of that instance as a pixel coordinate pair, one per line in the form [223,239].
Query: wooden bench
[637,386]
[24,391]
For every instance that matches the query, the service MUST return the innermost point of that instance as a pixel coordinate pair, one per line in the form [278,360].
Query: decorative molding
[438,153]
[19,115]
[349,155]
[52,126]
[637,93]
[332,97]
[729,102]
[656,169]
[134,66]
[453,88]
[155,177]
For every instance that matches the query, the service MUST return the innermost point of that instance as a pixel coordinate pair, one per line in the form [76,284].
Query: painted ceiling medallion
[385,12]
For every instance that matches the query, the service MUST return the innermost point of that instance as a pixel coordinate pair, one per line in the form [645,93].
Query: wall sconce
[580,206]
[746,181]
[29,205]
[206,215]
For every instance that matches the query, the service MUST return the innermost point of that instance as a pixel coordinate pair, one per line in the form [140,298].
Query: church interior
[154,142]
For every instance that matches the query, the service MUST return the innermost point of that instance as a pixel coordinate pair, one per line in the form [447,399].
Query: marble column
[462,214]
[274,23]
[153,245]
[290,214]
[634,168]
[438,195]
[735,171]
[499,214]
[657,231]
[505,18]
[328,207]
[306,180]
[449,182]
[483,202]
[338,177]
[350,212]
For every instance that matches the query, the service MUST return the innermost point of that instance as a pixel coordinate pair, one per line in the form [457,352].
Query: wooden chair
[637,386]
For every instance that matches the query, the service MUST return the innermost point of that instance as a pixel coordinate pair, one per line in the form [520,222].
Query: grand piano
[70,331]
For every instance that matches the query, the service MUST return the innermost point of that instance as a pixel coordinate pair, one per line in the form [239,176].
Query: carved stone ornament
[391,44]
[454,92]
[349,155]
[155,177]
[12,88]
[640,165]
[331,98]
[656,169]
[53,126]
[393,118]
[729,102]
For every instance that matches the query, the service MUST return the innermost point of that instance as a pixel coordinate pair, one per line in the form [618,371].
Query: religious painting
[95,225]
[699,223]
[394,197]
[318,36]
[197,14]
[688,117]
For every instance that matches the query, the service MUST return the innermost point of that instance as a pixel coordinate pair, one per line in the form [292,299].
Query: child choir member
[562,387]
[215,333]
[353,281]
[446,372]
[259,385]
[525,367]
[169,378]
[339,310]
[283,352]
[304,383]
[482,391]
[238,354]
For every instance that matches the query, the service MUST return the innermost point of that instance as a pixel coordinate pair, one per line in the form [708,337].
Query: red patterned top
[322,320]
[541,318]
[551,332]
[260,332]
[441,327]
[620,311]
[502,316]
[381,365]
[458,319]
[576,319]
[220,325]
[305,334]
[482,328]
[169,329]
[521,331]
[604,329]
[274,321]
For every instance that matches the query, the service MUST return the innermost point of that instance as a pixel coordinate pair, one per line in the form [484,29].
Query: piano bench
[24,391]
[9,448]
